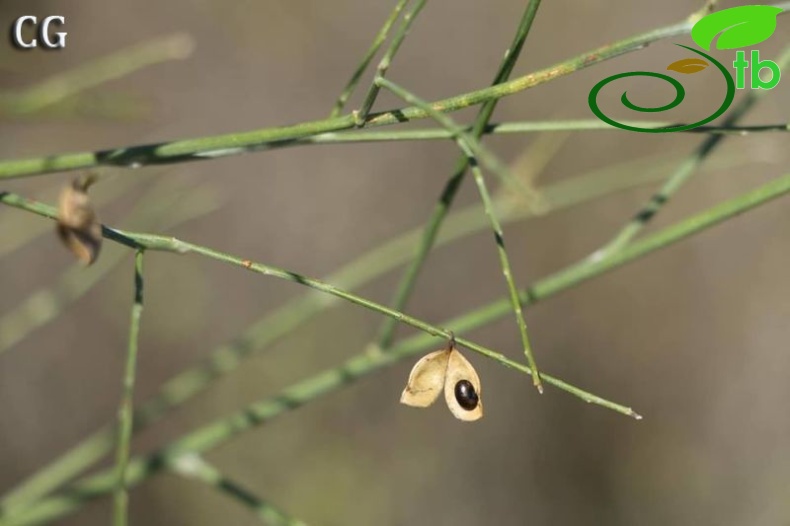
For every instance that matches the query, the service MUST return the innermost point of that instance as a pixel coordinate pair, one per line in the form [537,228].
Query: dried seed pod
[449,370]
[462,388]
[426,380]
[78,227]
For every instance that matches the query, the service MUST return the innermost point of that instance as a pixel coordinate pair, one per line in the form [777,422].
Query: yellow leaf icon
[688,65]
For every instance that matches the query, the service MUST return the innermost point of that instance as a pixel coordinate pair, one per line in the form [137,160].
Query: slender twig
[73,161]
[29,228]
[196,468]
[275,325]
[506,128]
[446,198]
[209,436]
[585,278]
[706,9]
[213,147]
[361,115]
[47,303]
[503,128]
[105,69]
[365,363]
[237,143]
[138,240]
[125,414]
[684,172]
[470,147]
[476,149]
[381,36]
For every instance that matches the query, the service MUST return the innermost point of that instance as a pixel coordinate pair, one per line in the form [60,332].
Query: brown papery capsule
[78,227]
[426,380]
[446,370]
[462,389]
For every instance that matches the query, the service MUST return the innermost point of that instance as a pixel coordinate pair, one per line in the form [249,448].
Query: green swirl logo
[680,94]
[735,27]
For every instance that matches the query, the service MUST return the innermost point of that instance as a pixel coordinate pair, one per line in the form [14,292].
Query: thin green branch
[195,467]
[209,436]
[29,228]
[56,160]
[47,303]
[476,149]
[706,9]
[361,115]
[365,363]
[381,36]
[125,413]
[503,128]
[170,244]
[276,325]
[442,208]
[244,142]
[120,64]
[108,105]
[684,172]
[472,149]
[506,128]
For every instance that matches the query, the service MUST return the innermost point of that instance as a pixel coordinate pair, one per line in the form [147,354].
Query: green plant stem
[29,228]
[262,412]
[170,244]
[114,66]
[210,152]
[471,148]
[506,128]
[361,115]
[275,325]
[74,161]
[381,36]
[216,433]
[47,303]
[125,413]
[237,143]
[195,467]
[684,171]
[706,9]
[104,105]
[442,208]
[476,149]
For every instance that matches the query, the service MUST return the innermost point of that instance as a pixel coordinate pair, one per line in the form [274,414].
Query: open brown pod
[448,370]
[462,388]
[78,227]
[426,379]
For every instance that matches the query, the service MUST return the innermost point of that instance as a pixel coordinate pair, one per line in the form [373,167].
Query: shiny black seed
[466,395]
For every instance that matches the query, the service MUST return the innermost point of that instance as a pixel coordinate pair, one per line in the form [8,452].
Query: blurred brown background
[691,337]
